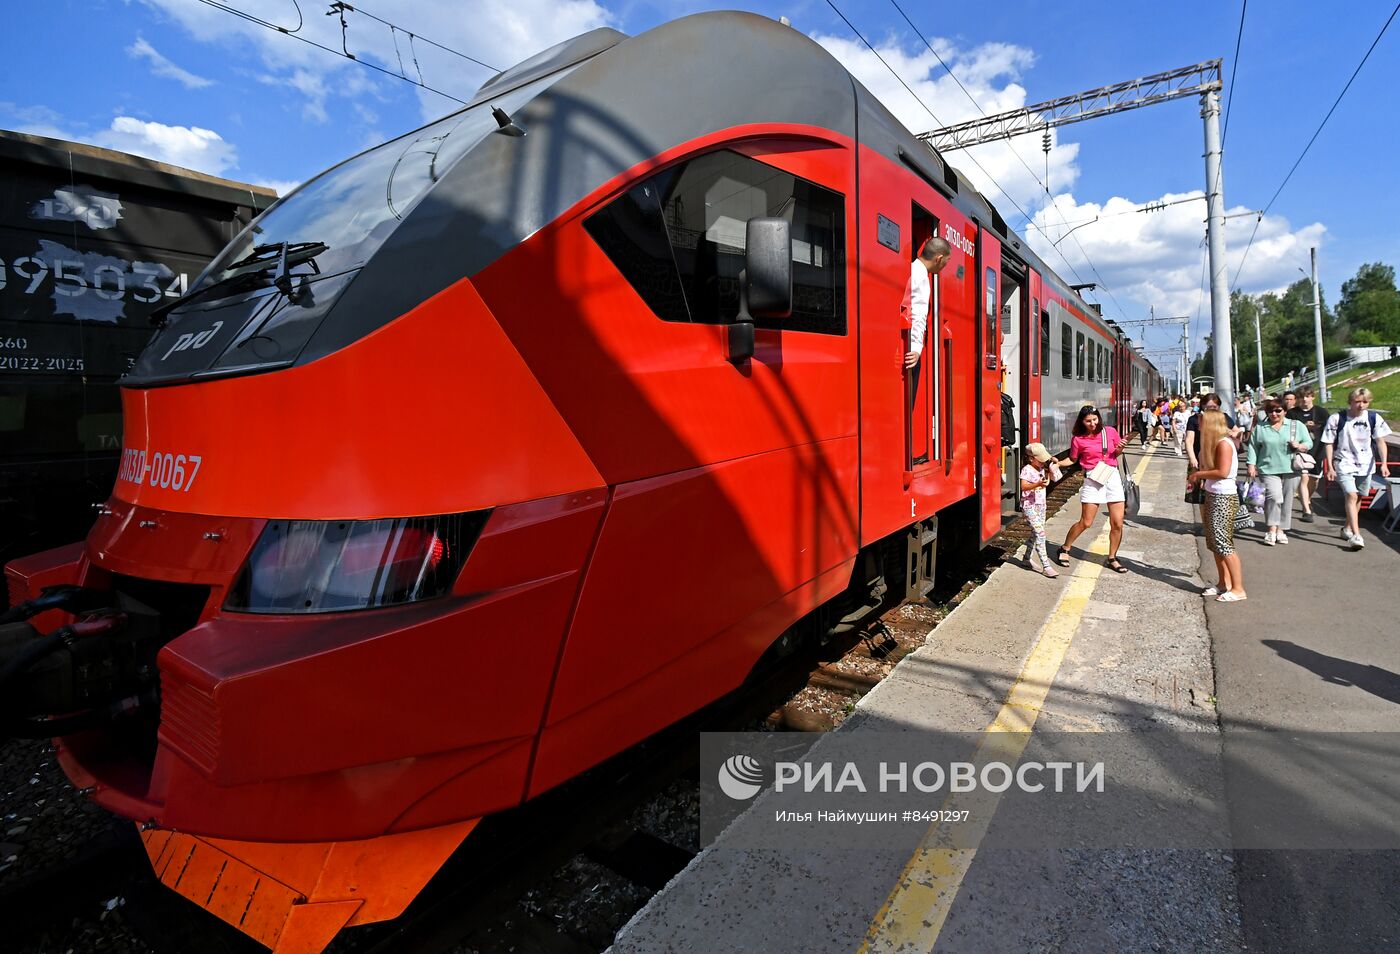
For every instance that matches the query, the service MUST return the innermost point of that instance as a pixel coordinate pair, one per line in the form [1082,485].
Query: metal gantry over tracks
[1090,104]
[1201,80]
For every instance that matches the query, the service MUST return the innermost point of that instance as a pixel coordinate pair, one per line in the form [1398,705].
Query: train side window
[992,312]
[1081,355]
[1033,355]
[1066,350]
[678,238]
[1093,361]
[1045,342]
[633,234]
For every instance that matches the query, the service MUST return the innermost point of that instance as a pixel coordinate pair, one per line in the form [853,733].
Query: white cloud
[990,72]
[310,85]
[161,66]
[1147,259]
[189,146]
[280,186]
[1154,259]
[497,34]
[33,120]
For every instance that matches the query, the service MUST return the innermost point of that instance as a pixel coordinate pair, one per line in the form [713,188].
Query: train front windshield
[353,207]
[238,317]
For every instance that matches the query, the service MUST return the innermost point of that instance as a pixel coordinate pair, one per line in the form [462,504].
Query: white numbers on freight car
[71,279]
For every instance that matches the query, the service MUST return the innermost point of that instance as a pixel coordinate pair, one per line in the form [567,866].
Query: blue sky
[187,83]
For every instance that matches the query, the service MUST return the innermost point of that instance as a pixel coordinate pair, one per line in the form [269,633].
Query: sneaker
[1345,533]
[1281,537]
[1357,541]
[1269,539]
[1306,516]
[1051,572]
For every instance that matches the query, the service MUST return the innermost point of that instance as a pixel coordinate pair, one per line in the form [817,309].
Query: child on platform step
[1040,471]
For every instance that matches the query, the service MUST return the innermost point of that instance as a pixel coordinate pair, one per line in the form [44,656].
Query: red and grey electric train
[595,386]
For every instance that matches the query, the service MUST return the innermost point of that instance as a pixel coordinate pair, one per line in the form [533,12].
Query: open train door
[989,475]
[1017,347]
[1036,354]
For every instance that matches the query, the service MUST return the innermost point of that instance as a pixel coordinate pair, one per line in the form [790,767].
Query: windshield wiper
[282,255]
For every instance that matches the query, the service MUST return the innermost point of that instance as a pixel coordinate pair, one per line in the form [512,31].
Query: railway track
[556,876]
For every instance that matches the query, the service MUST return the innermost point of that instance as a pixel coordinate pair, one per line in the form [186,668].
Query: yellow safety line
[916,909]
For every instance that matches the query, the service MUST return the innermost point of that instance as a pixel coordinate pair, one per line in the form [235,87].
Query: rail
[1278,385]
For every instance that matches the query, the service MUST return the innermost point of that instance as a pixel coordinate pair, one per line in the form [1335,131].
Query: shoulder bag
[1303,463]
[1132,493]
[1244,517]
[1101,471]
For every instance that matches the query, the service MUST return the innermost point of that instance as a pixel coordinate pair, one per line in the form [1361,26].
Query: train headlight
[327,566]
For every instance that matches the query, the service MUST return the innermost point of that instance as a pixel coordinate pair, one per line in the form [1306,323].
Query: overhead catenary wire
[394,26]
[1297,162]
[1044,183]
[290,31]
[927,109]
[1149,207]
[296,35]
[1234,68]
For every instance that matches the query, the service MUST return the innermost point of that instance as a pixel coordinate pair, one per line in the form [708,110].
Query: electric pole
[1215,243]
[1186,355]
[1317,330]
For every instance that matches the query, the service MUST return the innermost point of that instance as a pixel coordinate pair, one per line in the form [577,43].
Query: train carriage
[574,377]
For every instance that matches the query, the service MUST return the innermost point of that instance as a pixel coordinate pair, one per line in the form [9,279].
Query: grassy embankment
[1385,392]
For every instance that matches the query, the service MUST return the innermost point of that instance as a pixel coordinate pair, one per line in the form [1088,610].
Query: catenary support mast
[1322,395]
[1222,346]
[1201,79]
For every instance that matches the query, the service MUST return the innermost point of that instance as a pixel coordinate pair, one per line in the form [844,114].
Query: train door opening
[1015,377]
[921,412]
[1036,351]
[989,468]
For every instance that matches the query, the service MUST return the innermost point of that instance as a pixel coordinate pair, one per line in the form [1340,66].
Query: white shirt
[1224,485]
[1353,454]
[920,292]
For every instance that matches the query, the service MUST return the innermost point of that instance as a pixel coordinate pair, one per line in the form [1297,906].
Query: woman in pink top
[1094,444]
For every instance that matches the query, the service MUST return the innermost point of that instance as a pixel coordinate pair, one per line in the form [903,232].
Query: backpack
[1371,417]
[1008,420]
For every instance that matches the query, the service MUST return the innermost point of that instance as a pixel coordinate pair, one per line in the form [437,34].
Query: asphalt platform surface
[1296,691]
[1317,651]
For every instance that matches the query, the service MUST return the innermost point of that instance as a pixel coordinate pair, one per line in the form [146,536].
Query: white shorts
[1094,492]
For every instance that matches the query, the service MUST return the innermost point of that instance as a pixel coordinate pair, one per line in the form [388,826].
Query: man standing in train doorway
[918,293]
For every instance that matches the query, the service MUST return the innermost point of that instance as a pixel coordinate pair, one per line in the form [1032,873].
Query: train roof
[82,159]
[605,103]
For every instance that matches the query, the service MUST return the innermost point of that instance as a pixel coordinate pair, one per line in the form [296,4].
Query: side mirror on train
[765,285]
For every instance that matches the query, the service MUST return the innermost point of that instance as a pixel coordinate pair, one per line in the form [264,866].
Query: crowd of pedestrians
[1287,447]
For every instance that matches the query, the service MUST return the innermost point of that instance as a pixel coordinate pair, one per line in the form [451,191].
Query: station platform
[1094,651]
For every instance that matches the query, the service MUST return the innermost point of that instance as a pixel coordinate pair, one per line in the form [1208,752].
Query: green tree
[1369,310]
[1285,331]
